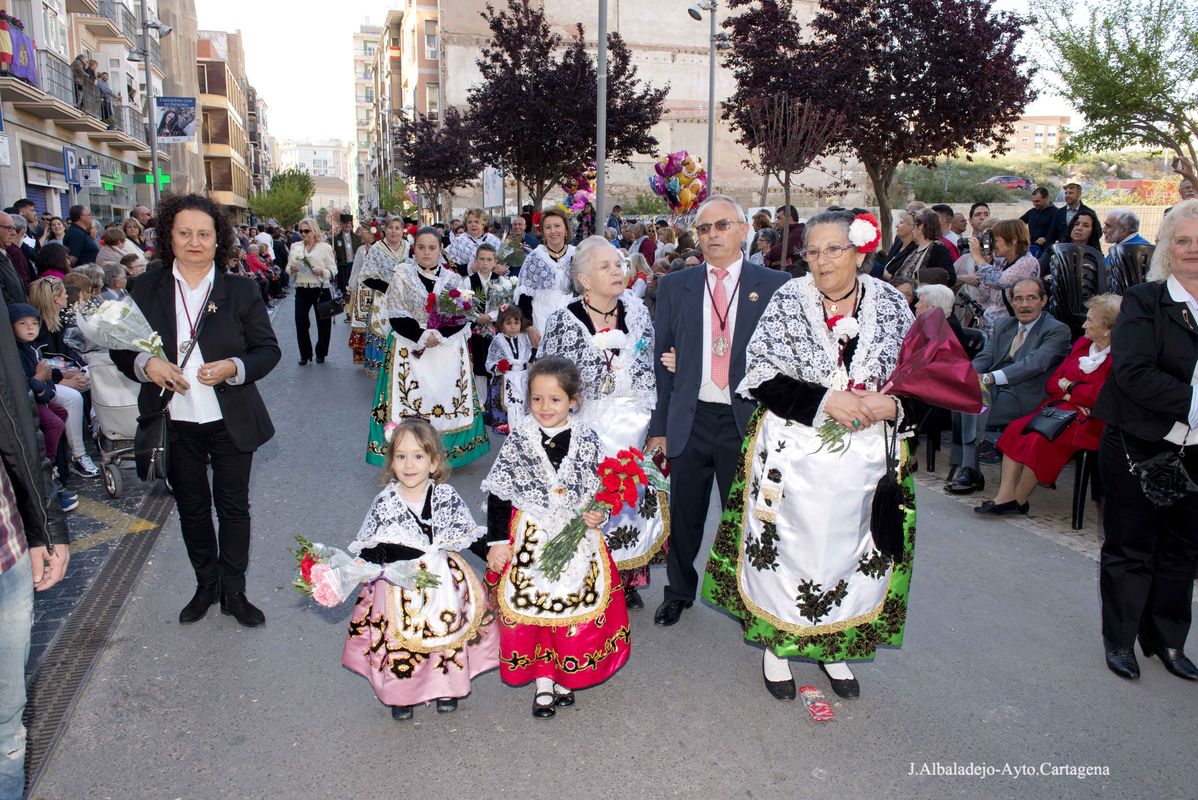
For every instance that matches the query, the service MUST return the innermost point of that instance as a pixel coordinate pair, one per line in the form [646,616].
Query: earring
[586,296]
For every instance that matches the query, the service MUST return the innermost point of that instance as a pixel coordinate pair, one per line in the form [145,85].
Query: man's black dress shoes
[968,481]
[1122,662]
[847,688]
[779,690]
[1173,658]
[670,610]
[245,612]
[203,599]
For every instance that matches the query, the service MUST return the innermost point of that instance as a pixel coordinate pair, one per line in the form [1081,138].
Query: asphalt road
[1002,668]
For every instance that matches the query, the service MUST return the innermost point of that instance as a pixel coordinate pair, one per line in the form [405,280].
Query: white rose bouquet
[119,325]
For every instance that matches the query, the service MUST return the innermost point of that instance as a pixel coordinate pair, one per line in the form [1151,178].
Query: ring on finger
[856,423]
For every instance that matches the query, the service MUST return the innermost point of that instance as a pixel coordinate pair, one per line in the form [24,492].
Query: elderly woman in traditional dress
[795,557]
[381,261]
[464,246]
[426,371]
[360,297]
[544,285]
[608,334]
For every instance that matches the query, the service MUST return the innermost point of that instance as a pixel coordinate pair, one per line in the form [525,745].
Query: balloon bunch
[681,180]
[580,188]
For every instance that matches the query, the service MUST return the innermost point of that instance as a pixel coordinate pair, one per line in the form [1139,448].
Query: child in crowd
[568,632]
[419,645]
[483,274]
[507,359]
[52,418]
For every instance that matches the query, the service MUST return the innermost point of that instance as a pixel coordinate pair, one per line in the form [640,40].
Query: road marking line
[117,523]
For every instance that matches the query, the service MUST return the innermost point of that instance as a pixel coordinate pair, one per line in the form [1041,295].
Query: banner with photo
[175,119]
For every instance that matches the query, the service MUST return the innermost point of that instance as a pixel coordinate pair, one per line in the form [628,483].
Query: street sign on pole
[89,175]
[70,165]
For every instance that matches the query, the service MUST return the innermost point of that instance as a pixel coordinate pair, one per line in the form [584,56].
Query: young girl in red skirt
[419,645]
[570,632]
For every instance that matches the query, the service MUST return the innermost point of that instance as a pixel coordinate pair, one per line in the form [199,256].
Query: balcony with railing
[50,95]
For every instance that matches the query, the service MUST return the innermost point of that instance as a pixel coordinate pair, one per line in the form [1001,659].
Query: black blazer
[1154,347]
[239,327]
[679,324]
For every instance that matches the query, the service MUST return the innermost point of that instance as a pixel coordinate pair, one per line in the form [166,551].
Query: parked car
[1010,182]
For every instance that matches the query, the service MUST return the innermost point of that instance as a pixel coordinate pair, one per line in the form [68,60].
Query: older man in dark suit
[1015,363]
[705,316]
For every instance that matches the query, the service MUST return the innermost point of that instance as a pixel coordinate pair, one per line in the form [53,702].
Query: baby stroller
[114,398]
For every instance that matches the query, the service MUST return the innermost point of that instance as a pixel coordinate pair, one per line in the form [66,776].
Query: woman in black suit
[1150,405]
[216,413]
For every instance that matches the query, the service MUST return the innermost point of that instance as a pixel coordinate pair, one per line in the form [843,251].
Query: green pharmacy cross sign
[163,178]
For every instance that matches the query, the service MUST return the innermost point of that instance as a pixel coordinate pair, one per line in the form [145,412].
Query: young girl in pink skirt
[419,645]
[571,631]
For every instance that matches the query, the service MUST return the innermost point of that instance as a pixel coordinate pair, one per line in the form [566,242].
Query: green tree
[287,198]
[1130,67]
[393,198]
[645,204]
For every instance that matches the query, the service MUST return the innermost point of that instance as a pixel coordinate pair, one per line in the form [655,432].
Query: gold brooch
[212,308]
[753,297]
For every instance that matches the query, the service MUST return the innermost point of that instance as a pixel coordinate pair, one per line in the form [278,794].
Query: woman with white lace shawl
[427,642]
[545,283]
[795,557]
[359,298]
[463,247]
[608,335]
[426,370]
[378,266]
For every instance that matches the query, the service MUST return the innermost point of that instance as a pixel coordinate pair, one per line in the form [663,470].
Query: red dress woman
[1073,387]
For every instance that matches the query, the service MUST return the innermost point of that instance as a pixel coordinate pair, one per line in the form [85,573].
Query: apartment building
[1038,135]
[323,158]
[220,70]
[260,156]
[51,124]
[365,43]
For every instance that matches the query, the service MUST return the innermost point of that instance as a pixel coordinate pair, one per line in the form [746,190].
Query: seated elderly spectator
[1122,227]
[134,265]
[1029,458]
[906,287]
[1015,363]
[95,272]
[764,242]
[929,253]
[116,246]
[115,281]
[998,272]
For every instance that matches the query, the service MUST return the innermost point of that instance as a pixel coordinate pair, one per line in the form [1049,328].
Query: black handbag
[1163,477]
[333,306]
[1050,422]
[152,439]
[886,512]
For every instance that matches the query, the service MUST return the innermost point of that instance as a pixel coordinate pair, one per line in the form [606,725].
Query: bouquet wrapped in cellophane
[118,325]
[329,575]
[619,479]
[450,308]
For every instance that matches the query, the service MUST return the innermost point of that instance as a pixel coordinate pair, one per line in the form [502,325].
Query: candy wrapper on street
[619,478]
[118,325]
[329,575]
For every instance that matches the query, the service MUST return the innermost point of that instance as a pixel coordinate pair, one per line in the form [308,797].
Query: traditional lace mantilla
[523,474]
[501,349]
[382,261]
[792,338]
[463,248]
[390,521]
[542,272]
[632,369]
[407,296]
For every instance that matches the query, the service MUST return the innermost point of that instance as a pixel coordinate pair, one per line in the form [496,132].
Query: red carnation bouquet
[503,366]
[619,482]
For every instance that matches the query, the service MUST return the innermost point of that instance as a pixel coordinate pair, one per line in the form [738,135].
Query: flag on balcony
[16,50]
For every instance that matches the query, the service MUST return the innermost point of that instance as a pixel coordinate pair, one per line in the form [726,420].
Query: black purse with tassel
[886,513]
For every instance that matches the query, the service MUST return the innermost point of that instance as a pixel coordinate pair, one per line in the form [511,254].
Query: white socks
[776,669]
[838,670]
[559,689]
[544,685]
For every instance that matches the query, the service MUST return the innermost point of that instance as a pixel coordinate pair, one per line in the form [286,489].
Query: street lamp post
[146,25]
[696,13]
[601,120]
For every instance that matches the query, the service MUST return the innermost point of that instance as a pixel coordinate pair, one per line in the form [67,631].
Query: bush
[645,204]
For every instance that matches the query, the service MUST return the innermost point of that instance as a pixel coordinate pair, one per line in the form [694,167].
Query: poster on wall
[175,118]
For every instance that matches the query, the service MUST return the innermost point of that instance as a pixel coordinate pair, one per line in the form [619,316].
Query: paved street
[1002,665]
